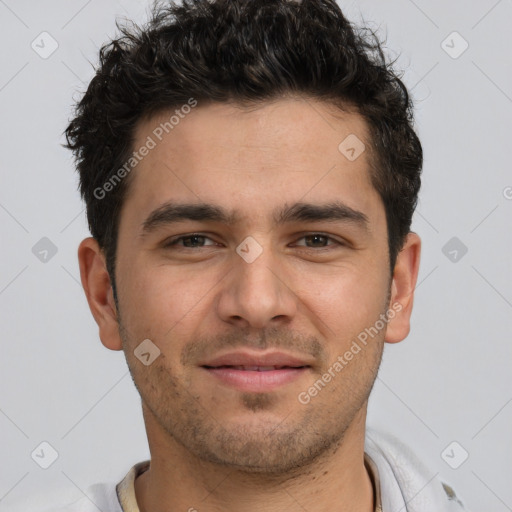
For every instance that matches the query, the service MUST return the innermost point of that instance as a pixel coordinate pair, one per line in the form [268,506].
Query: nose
[257,294]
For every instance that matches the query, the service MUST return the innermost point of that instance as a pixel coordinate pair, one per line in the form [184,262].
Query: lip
[256,381]
[256,377]
[248,358]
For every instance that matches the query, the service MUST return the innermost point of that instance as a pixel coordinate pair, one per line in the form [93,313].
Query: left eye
[318,240]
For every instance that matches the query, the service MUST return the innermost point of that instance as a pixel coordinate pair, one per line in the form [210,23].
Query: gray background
[449,381]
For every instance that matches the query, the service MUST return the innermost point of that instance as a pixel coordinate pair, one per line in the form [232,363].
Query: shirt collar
[373,471]
[126,487]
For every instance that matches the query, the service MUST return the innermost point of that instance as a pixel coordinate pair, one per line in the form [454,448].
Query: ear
[403,284]
[98,290]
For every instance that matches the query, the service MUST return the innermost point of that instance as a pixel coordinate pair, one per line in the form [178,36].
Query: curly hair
[242,51]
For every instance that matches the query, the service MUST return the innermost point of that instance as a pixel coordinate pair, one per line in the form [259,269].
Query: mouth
[254,368]
[256,378]
[257,371]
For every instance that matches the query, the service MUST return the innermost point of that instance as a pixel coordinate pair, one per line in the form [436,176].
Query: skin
[214,447]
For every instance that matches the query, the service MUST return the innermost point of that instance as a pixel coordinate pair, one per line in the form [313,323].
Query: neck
[176,480]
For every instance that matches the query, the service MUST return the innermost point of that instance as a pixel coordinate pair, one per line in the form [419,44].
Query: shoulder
[108,496]
[405,481]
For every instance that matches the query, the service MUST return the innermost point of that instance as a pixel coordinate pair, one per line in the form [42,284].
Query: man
[250,170]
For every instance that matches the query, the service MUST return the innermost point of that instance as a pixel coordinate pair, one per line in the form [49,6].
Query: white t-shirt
[400,480]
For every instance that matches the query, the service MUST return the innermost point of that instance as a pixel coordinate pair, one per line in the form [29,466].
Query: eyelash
[174,242]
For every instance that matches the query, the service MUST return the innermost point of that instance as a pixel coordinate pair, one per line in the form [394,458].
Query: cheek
[161,301]
[345,299]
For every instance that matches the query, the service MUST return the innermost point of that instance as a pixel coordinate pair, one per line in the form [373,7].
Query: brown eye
[192,241]
[318,240]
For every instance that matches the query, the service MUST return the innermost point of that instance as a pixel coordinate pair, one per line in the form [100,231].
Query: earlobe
[98,291]
[405,275]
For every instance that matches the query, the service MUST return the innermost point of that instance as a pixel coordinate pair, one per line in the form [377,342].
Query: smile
[256,378]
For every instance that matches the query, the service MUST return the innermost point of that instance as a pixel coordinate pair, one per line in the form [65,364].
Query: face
[253,303]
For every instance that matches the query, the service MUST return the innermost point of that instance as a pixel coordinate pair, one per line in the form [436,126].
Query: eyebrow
[172,212]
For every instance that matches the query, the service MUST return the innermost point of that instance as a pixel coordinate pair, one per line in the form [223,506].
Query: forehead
[251,160]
